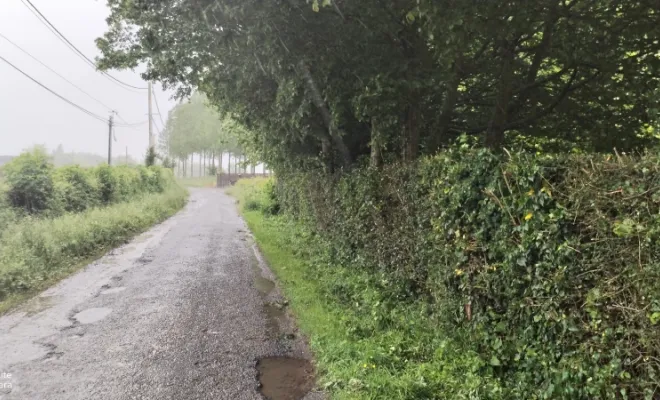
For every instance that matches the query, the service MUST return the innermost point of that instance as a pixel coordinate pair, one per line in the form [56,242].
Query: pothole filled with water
[263,285]
[274,314]
[92,315]
[284,378]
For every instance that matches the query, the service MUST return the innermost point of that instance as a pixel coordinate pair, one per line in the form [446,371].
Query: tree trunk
[376,145]
[333,131]
[192,165]
[220,159]
[213,162]
[448,104]
[497,124]
[530,93]
[411,133]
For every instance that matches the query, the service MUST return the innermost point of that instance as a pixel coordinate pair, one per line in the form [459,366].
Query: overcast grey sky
[30,115]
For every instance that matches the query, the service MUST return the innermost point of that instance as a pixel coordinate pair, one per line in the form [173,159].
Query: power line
[63,38]
[128,125]
[55,72]
[91,114]
[68,81]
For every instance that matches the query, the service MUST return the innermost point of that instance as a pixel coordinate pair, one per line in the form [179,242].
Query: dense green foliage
[194,127]
[34,252]
[53,218]
[493,276]
[547,267]
[34,186]
[30,181]
[366,344]
[325,82]
[76,188]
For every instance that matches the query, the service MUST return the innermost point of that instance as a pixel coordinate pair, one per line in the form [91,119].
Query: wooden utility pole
[152,140]
[126,155]
[110,122]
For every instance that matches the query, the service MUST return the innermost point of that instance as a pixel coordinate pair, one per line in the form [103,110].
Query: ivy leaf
[654,318]
[494,361]
[315,6]
[410,17]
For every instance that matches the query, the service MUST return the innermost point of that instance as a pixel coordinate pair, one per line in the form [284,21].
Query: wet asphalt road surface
[187,310]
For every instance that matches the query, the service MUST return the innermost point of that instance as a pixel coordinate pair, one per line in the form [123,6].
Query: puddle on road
[284,378]
[113,290]
[263,285]
[92,315]
[274,314]
[39,304]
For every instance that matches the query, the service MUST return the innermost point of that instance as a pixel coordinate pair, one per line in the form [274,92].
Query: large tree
[323,83]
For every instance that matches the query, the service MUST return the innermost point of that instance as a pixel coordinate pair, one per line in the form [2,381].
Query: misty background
[30,115]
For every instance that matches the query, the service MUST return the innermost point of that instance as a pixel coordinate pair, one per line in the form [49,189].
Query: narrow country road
[186,311]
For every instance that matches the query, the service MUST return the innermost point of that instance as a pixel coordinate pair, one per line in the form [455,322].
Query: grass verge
[37,252]
[366,346]
[204,181]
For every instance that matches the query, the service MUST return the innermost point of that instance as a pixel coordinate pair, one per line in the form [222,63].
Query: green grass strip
[364,346]
[36,252]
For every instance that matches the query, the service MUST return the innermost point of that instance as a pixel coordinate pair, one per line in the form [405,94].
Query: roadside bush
[257,194]
[546,268]
[34,251]
[76,189]
[108,183]
[7,213]
[31,184]
[152,179]
[29,181]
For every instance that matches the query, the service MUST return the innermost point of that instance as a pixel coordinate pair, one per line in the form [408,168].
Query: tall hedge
[551,264]
[34,186]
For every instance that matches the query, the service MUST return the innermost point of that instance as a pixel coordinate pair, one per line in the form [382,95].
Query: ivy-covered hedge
[550,265]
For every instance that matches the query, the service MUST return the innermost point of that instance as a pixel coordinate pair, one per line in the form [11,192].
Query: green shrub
[546,268]
[108,183]
[34,251]
[152,178]
[30,181]
[77,188]
[150,157]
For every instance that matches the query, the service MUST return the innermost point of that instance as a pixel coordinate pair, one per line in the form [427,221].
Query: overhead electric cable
[91,114]
[55,72]
[66,41]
